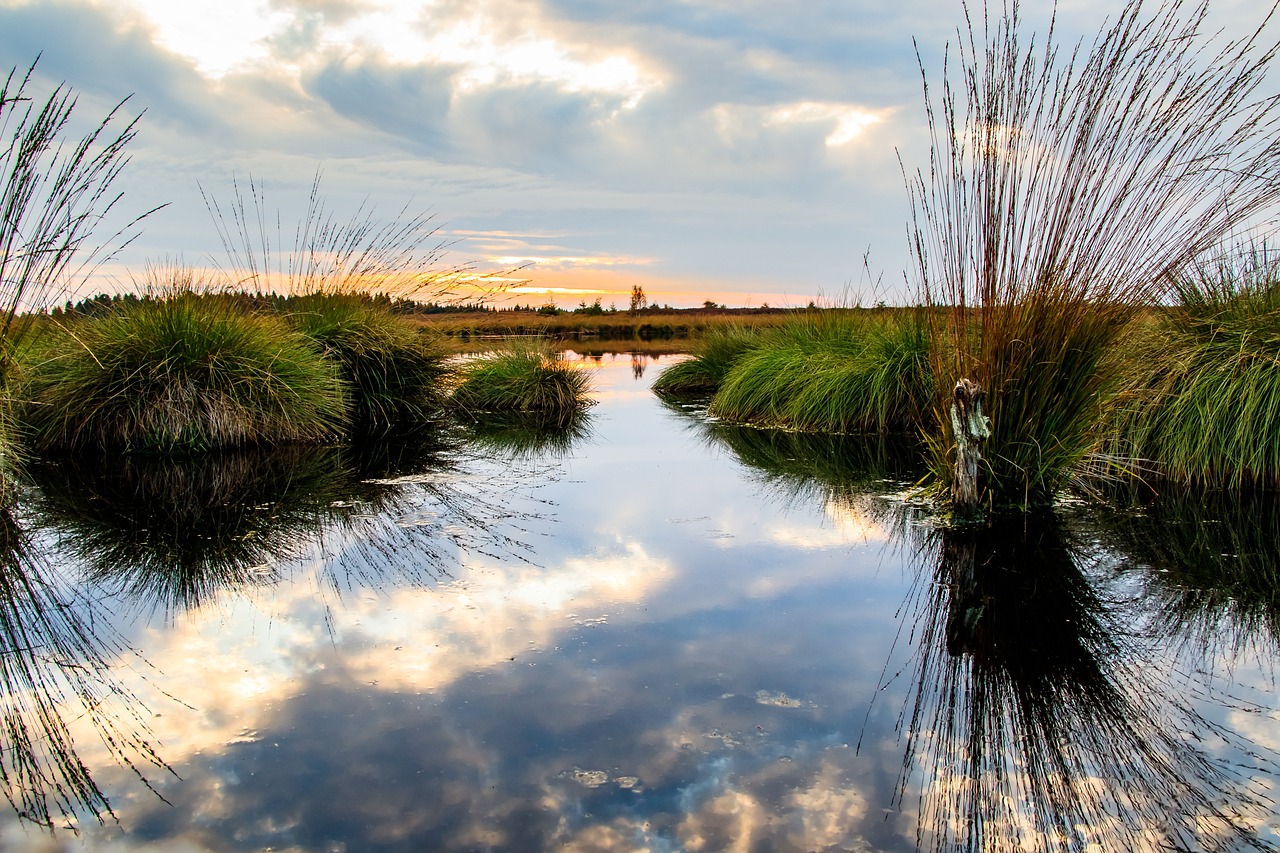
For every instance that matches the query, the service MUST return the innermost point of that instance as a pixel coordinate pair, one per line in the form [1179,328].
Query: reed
[55,193]
[847,373]
[179,374]
[401,257]
[528,382]
[1063,191]
[394,372]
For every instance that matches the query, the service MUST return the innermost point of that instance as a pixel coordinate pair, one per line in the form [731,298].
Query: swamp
[646,629]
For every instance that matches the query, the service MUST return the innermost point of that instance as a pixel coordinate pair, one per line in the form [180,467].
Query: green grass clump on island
[182,374]
[393,371]
[1204,405]
[843,373]
[716,354]
[526,382]
[835,372]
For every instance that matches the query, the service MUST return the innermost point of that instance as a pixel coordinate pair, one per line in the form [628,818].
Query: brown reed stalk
[1064,190]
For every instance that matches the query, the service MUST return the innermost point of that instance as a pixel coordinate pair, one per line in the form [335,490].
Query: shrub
[184,373]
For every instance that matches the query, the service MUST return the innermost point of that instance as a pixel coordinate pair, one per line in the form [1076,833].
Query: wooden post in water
[971,428]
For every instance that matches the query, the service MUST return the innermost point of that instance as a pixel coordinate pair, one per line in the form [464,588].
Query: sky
[742,151]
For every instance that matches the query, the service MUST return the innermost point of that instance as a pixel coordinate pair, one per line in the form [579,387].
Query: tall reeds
[1064,190]
[399,257]
[54,194]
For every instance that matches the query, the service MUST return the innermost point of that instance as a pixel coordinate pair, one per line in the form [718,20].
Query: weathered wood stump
[970,428]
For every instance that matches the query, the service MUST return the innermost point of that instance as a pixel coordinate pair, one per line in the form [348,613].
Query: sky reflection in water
[655,633]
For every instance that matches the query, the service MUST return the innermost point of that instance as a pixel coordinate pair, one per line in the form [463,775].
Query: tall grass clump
[528,383]
[185,373]
[714,356]
[1063,190]
[1206,409]
[400,257]
[837,373]
[55,192]
[393,371]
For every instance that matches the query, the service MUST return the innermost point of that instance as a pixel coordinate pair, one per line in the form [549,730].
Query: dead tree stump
[970,428]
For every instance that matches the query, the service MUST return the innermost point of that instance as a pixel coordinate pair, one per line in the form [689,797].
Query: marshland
[313,548]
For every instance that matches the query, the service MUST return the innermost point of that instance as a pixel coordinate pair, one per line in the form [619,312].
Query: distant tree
[637,298]
[709,304]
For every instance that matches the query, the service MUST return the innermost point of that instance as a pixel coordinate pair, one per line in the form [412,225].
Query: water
[652,633]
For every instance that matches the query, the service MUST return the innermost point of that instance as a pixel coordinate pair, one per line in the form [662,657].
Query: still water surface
[653,632]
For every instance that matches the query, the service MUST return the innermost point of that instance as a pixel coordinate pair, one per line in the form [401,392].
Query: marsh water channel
[650,632]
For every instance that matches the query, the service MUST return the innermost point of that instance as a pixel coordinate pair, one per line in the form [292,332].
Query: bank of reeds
[394,373]
[1203,406]
[180,374]
[527,382]
[1063,191]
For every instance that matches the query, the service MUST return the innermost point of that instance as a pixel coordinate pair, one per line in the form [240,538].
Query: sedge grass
[393,371]
[181,374]
[715,355]
[1062,193]
[526,382]
[848,373]
[1205,408]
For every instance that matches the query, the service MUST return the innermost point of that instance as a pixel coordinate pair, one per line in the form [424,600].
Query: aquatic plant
[1062,193]
[714,356]
[182,373]
[54,194]
[528,382]
[1203,405]
[839,373]
[394,373]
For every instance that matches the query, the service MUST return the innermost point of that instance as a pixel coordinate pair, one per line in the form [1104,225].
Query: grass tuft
[186,373]
[527,382]
[715,355]
[847,373]
[1206,406]
[393,371]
